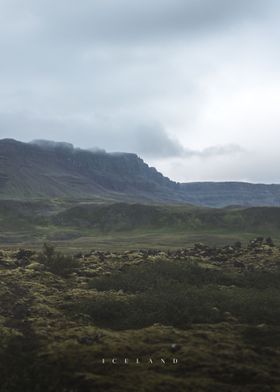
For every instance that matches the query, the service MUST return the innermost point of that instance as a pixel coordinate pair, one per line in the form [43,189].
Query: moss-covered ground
[215,310]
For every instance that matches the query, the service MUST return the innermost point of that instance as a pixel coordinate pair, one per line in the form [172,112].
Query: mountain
[44,170]
[50,170]
[222,194]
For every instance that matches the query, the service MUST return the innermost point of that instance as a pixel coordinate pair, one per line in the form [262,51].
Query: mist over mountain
[46,169]
[50,144]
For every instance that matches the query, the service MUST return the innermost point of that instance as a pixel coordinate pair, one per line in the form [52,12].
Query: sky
[191,86]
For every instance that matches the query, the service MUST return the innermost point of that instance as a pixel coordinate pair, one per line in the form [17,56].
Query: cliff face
[59,170]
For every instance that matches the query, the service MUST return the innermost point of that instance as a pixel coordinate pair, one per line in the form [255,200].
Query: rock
[88,273]
[24,254]
[269,242]
[261,326]
[22,262]
[88,340]
[237,245]
[174,347]
[229,317]
[238,264]
[36,267]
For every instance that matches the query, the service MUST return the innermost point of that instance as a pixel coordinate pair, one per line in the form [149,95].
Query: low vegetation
[180,294]
[56,262]
[77,224]
[215,309]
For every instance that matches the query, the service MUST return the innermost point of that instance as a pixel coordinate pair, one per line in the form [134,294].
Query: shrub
[155,275]
[181,306]
[56,262]
[180,293]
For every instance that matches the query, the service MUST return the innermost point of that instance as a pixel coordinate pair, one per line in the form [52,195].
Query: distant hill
[222,194]
[122,216]
[40,218]
[48,170]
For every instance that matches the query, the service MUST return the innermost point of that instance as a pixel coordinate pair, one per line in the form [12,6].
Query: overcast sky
[192,86]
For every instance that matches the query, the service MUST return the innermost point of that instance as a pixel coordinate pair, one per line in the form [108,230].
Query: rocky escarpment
[59,170]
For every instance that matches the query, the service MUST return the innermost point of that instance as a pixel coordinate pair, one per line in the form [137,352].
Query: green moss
[219,318]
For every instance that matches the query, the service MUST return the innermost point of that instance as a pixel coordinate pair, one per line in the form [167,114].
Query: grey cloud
[209,152]
[255,166]
[110,134]
[116,21]
[214,151]
[150,76]
[149,140]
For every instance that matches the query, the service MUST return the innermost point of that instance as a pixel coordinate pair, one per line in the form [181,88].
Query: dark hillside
[47,170]
[39,171]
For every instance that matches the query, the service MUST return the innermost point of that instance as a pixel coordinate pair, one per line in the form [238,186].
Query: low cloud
[214,151]
[148,140]
[109,133]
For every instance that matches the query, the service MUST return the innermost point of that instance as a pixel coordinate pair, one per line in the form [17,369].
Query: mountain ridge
[46,169]
[29,170]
